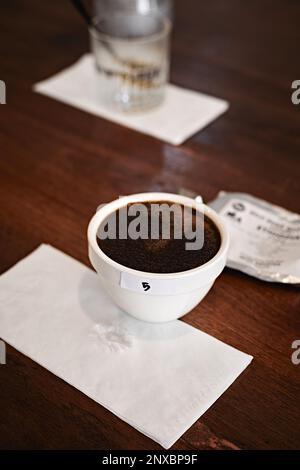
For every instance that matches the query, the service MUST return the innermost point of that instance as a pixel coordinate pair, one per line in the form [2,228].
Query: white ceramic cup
[169,296]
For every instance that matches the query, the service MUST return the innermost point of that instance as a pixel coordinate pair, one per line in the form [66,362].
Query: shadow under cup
[132,59]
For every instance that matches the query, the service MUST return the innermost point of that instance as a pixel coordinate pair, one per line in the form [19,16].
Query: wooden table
[58,163]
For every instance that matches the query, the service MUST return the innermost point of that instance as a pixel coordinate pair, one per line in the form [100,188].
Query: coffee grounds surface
[161,255]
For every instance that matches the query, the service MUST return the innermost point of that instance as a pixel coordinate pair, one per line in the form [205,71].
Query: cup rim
[140,39]
[151,197]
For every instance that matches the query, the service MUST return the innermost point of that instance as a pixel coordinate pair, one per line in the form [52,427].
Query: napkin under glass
[159,378]
[183,113]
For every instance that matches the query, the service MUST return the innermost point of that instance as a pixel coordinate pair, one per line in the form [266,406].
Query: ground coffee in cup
[162,254]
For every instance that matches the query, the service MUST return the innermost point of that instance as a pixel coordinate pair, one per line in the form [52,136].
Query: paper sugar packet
[264,238]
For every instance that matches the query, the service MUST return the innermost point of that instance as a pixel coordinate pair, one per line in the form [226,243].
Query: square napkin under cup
[159,378]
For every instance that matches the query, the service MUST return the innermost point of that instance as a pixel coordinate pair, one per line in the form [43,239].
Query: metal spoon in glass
[137,70]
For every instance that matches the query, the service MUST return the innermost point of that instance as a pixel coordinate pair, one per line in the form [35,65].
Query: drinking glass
[131,52]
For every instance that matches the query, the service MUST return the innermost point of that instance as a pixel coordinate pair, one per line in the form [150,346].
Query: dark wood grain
[58,163]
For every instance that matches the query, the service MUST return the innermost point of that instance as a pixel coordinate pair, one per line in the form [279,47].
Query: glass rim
[141,39]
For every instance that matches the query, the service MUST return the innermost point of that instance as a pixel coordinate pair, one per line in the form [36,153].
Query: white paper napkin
[183,113]
[160,378]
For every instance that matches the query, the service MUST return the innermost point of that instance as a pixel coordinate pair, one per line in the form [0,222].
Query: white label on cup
[149,286]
